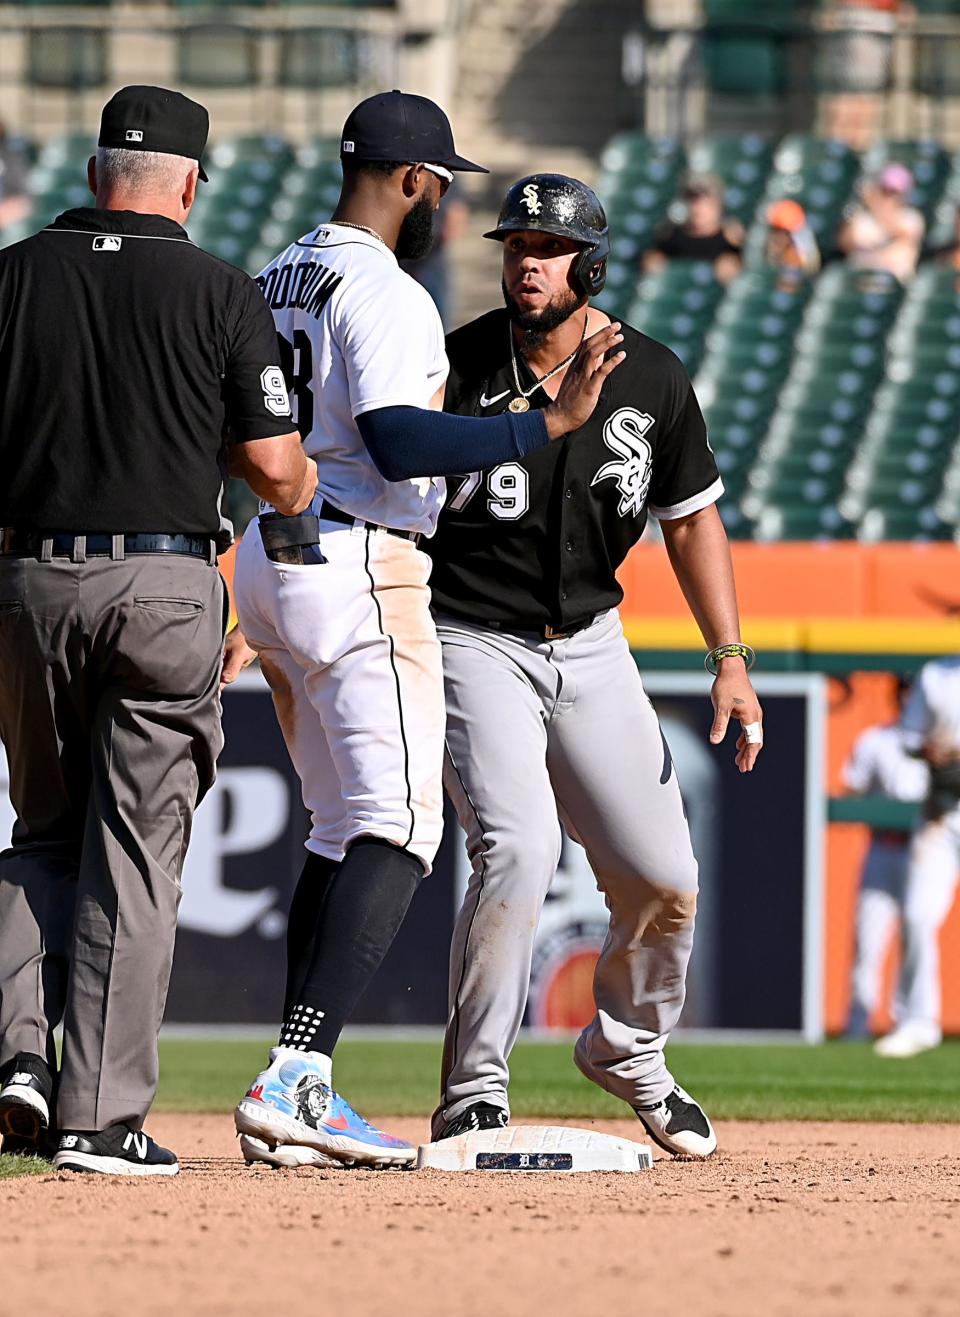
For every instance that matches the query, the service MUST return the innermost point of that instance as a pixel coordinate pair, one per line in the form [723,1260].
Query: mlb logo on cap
[133,135]
[348,148]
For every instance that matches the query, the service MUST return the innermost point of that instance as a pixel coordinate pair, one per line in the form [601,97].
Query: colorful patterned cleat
[292,1102]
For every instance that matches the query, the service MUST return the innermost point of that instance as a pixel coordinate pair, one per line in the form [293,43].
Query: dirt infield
[832,1220]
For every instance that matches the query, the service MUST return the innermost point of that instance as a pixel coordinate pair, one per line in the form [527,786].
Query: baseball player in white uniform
[879,765]
[336,604]
[931,729]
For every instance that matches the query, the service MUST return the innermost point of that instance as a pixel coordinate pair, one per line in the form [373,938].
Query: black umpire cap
[395,125]
[155,119]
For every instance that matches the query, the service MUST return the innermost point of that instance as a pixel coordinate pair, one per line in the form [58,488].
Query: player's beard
[536,325]
[416,232]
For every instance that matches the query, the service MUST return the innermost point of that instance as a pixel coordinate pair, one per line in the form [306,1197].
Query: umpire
[132,364]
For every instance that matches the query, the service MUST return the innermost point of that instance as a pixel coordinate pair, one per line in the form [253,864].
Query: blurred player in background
[880,765]
[931,730]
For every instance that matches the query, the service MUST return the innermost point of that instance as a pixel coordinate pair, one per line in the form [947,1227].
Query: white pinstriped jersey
[357,334]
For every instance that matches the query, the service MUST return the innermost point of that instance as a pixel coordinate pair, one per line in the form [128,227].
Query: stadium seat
[802,523]
[676,306]
[638,179]
[742,161]
[823,408]
[749,354]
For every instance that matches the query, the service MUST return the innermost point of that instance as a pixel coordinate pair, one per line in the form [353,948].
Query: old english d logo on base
[623,434]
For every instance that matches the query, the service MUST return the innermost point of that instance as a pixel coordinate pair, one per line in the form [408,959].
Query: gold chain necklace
[346,224]
[521,404]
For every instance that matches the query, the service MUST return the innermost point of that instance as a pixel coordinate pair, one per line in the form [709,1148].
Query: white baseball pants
[351,654]
[879,905]
[931,884]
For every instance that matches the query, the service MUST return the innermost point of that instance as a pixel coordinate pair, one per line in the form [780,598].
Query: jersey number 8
[508,487]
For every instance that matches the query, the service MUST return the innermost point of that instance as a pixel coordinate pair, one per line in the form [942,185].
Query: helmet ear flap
[590,268]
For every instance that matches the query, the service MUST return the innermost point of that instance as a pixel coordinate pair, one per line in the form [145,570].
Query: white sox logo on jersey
[623,434]
[531,200]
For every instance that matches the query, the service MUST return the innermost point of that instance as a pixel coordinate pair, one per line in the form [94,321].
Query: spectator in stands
[704,234]
[15,203]
[791,246]
[883,231]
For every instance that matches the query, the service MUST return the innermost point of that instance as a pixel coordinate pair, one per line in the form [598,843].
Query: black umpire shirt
[128,358]
[537,542]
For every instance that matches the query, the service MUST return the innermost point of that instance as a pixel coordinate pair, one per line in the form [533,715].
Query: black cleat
[481,1116]
[25,1099]
[117,1150]
[679,1125]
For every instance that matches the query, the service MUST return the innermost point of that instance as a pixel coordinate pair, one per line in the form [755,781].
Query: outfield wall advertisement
[757,964]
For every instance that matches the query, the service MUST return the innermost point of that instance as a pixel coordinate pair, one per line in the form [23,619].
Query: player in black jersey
[547,719]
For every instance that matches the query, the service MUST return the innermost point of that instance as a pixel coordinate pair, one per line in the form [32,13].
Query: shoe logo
[313,1098]
[68,1141]
[256,1092]
[139,1142]
[21,1077]
[488,402]
[337,1122]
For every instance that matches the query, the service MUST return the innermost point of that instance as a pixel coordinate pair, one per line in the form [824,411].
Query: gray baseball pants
[110,715]
[539,732]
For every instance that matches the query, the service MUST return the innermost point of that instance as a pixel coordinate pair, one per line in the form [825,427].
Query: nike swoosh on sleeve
[488,402]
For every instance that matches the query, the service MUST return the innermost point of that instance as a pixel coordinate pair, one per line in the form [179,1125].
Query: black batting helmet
[554,203]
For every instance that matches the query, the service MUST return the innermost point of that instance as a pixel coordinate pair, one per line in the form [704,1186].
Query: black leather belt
[29,544]
[330,512]
[513,628]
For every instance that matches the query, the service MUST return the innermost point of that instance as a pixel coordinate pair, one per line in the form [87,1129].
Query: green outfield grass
[835,1081]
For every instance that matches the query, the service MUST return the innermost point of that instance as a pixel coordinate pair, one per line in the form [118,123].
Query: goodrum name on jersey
[307,286]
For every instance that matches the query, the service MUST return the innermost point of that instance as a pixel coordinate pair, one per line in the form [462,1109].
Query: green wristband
[716,656]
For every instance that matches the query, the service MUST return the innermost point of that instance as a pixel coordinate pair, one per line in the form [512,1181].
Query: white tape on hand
[753,733]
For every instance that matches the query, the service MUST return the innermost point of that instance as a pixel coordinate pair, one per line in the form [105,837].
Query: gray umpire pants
[539,732]
[110,715]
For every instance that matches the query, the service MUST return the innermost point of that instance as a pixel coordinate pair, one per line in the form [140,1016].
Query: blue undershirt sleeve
[409,442]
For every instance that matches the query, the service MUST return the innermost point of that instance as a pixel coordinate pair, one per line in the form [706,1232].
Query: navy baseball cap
[394,125]
[155,119]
